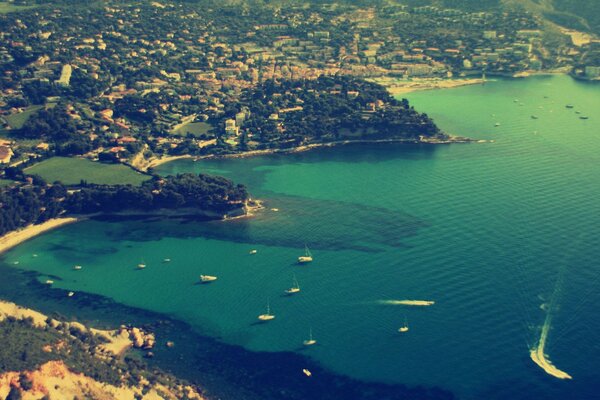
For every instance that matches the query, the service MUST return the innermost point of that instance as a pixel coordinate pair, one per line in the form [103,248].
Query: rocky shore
[56,379]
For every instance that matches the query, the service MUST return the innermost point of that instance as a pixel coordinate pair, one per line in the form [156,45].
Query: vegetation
[57,126]
[73,171]
[196,129]
[9,7]
[294,112]
[201,192]
[37,202]
[16,121]
[23,349]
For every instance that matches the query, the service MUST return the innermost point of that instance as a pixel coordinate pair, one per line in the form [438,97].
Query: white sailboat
[295,287]
[253,251]
[307,257]
[403,328]
[207,278]
[267,316]
[77,267]
[141,265]
[310,341]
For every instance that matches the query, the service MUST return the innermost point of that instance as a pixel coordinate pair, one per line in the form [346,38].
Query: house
[6,154]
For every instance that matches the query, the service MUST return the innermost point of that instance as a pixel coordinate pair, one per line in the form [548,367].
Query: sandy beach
[14,238]
[155,162]
[401,86]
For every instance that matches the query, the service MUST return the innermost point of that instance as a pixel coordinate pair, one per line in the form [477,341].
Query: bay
[490,232]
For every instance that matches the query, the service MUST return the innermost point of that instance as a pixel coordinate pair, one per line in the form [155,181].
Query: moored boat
[295,287]
[310,341]
[307,257]
[267,316]
[403,328]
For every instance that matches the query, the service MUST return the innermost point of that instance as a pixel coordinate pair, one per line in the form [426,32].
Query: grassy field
[195,128]
[6,7]
[16,121]
[71,171]
[6,182]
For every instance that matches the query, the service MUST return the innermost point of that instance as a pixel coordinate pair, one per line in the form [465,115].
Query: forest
[37,202]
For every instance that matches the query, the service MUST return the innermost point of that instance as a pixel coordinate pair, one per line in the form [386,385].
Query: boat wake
[421,303]
[540,358]
[537,352]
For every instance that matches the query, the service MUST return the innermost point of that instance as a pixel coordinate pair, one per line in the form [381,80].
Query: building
[592,72]
[231,128]
[6,154]
[65,75]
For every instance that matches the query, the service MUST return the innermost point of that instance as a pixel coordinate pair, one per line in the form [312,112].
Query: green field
[16,121]
[6,8]
[6,182]
[71,171]
[195,128]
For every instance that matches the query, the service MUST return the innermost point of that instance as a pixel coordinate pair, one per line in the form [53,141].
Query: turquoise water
[484,230]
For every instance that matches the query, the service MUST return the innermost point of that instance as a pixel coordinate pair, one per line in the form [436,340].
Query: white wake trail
[537,352]
[420,303]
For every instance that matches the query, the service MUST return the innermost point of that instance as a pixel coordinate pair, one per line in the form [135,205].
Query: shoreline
[222,370]
[307,147]
[155,162]
[15,238]
[400,86]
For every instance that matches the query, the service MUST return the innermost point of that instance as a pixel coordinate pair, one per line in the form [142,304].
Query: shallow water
[482,230]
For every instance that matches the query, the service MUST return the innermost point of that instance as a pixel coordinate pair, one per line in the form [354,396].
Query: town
[119,83]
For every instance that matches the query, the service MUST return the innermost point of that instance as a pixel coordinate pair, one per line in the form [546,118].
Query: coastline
[312,146]
[14,238]
[155,162]
[222,370]
[401,86]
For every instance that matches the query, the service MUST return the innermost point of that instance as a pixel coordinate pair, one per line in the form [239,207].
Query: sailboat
[77,267]
[404,328]
[268,316]
[295,287]
[310,341]
[141,265]
[307,257]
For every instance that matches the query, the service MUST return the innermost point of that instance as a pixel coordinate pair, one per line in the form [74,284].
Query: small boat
[49,282]
[274,209]
[253,252]
[534,117]
[141,265]
[403,328]
[307,257]
[16,263]
[584,117]
[295,287]
[77,267]
[70,294]
[35,255]
[306,372]
[166,260]
[207,278]
[497,124]
[569,106]
[267,316]
[310,341]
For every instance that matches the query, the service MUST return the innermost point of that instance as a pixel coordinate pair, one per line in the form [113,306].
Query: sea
[497,239]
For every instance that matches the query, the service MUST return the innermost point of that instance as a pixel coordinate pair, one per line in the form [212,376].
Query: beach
[14,238]
[401,86]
